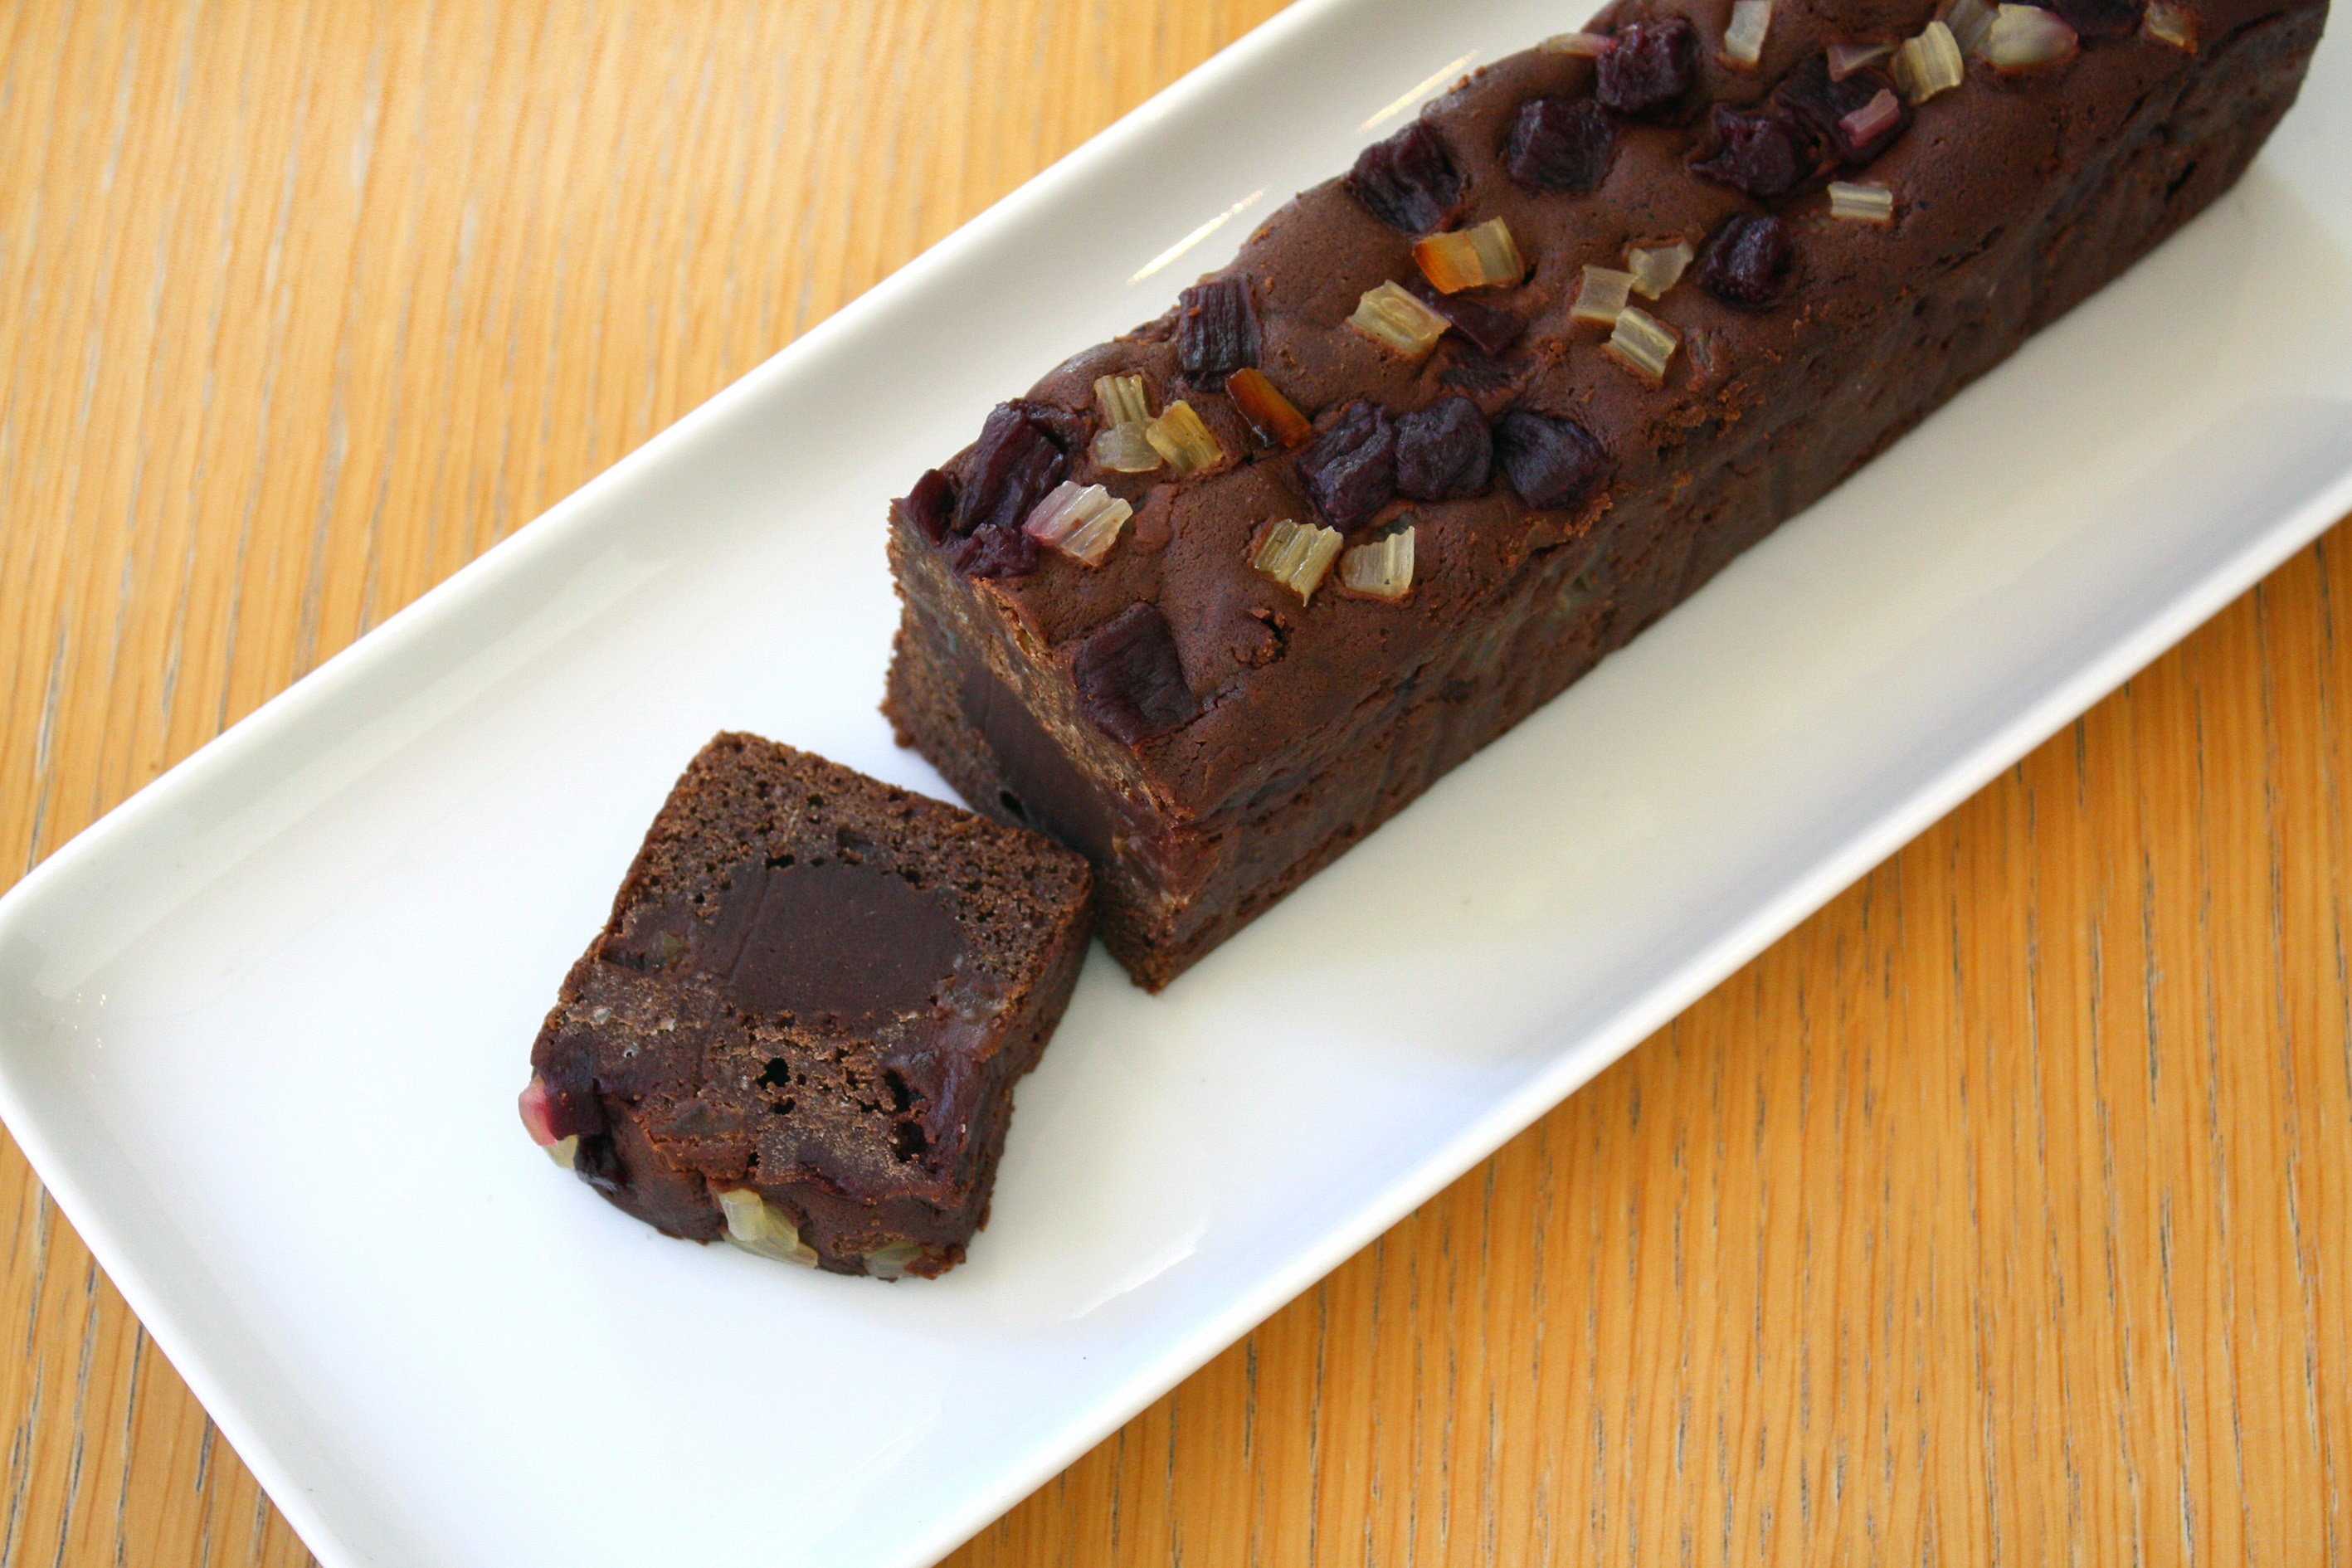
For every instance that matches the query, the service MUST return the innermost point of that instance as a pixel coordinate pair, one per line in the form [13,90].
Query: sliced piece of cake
[801,1027]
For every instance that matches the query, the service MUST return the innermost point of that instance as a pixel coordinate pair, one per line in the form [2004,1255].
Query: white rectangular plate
[261,1029]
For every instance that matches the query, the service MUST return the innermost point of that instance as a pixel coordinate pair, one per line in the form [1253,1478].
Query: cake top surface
[1837,175]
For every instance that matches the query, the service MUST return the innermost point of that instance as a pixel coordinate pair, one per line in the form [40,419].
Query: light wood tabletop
[1998,1214]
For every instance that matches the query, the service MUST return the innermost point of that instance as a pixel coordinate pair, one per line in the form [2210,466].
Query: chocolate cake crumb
[801,1028]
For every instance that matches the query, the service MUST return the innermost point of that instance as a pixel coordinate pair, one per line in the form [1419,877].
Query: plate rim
[1868,845]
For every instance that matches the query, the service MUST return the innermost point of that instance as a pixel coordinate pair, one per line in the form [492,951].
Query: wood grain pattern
[1996,1216]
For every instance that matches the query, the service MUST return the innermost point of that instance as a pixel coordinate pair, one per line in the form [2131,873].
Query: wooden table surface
[1997,1215]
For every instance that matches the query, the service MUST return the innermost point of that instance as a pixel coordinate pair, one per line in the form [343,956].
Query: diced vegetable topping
[757,1225]
[1492,328]
[1658,267]
[1560,146]
[1847,59]
[1971,22]
[1872,120]
[1641,343]
[892,1262]
[2167,23]
[2028,38]
[1743,39]
[1126,449]
[560,1114]
[1122,400]
[1653,65]
[1216,329]
[1389,315]
[930,505]
[1444,452]
[1014,464]
[1929,64]
[994,552]
[1603,295]
[1130,678]
[1352,472]
[1081,522]
[1178,436]
[1861,203]
[1299,555]
[1588,46]
[1480,257]
[1859,115]
[1126,408]
[536,1108]
[1274,416]
[1763,155]
[1708,360]
[1550,461]
[1749,261]
[1408,182]
[1380,570]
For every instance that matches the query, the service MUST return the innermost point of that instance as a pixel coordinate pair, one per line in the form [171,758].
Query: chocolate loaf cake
[801,1028]
[1215,599]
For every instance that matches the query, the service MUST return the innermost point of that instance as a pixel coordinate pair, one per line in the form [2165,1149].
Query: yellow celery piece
[1178,436]
[1297,555]
[1389,315]
[1380,570]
